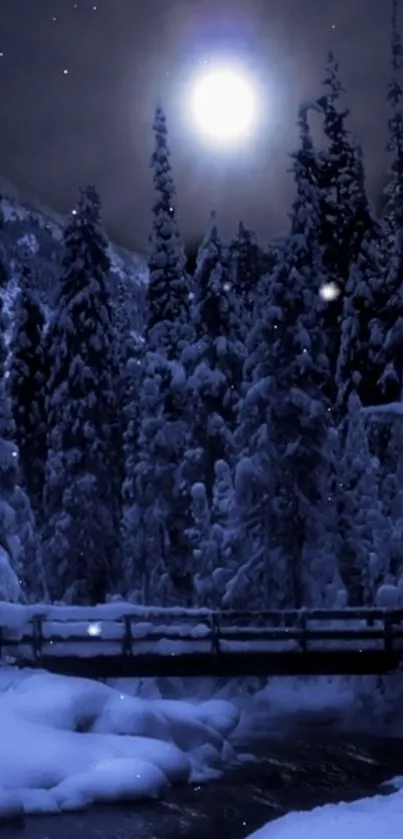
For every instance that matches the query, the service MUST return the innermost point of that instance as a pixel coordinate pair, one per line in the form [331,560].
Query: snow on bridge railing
[124,629]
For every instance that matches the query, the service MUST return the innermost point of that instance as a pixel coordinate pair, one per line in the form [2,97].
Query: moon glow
[223,105]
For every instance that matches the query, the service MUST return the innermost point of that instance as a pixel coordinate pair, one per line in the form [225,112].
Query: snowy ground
[67,743]
[369,818]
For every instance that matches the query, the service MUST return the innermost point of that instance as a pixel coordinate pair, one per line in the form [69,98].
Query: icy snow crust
[67,743]
[369,818]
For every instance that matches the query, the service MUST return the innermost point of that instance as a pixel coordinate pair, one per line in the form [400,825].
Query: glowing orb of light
[224,104]
[329,292]
[94,630]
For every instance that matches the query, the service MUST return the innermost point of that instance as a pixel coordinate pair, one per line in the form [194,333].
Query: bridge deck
[229,665]
[140,642]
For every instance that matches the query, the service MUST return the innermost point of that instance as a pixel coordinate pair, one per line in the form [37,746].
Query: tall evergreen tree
[361,525]
[210,537]
[348,214]
[4,273]
[27,388]
[156,499]
[282,476]
[393,211]
[359,366]
[168,325]
[20,563]
[391,315]
[345,215]
[129,351]
[247,268]
[155,503]
[82,485]
[215,362]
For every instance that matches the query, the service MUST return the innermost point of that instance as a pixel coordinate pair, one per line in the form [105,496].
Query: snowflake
[94,630]
[329,292]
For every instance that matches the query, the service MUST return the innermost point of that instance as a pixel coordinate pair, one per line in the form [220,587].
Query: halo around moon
[223,104]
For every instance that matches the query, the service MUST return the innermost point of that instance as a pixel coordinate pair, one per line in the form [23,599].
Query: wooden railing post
[387,632]
[128,636]
[215,633]
[302,625]
[37,636]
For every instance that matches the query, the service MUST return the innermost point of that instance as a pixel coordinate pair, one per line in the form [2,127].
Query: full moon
[223,104]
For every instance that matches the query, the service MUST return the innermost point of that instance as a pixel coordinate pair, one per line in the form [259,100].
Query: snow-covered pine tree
[4,273]
[358,366]
[210,537]
[391,315]
[206,549]
[134,582]
[282,474]
[393,211]
[345,212]
[21,571]
[168,324]
[27,389]
[363,530]
[342,179]
[82,489]
[386,426]
[215,363]
[158,562]
[247,267]
[129,348]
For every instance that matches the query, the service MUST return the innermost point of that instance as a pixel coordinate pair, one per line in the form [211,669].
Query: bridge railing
[170,632]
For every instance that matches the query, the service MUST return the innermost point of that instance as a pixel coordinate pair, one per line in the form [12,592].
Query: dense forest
[245,449]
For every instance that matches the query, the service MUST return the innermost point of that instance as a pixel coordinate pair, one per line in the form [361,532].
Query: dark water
[303,769]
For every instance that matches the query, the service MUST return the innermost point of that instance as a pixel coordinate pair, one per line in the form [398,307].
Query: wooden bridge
[120,640]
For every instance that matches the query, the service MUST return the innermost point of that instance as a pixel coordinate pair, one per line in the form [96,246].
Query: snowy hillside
[30,230]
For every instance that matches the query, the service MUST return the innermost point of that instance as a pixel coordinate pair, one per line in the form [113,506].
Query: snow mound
[323,695]
[369,818]
[67,743]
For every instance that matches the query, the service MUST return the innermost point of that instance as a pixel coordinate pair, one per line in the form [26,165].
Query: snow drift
[368,818]
[67,743]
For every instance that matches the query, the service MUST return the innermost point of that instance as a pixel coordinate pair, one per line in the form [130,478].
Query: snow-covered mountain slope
[33,233]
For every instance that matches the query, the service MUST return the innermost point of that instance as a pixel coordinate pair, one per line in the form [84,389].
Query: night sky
[60,130]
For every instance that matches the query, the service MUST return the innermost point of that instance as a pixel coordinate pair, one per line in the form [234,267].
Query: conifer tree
[27,388]
[283,471]
[361,525]
[359,366]
[345,212]
[391,314]
[247,267]
[156,499]
[393,212]
[21,571]
[82,485]
[132,406]
[215,363]
[206,551]
[168,325]
[342,180]
[210,537]
[155,508]
[4,273]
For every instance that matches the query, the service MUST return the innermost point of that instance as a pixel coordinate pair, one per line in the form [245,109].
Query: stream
[308,766]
